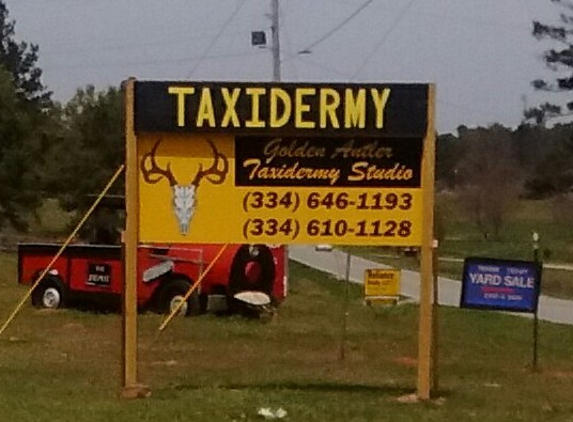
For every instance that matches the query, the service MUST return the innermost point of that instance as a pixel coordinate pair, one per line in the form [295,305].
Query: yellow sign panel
[381,283]
[202,188]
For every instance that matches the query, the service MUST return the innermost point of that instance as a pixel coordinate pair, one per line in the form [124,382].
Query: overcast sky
[480,53]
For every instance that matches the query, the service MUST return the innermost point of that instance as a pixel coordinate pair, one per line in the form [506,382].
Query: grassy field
[462,238]
[65,365]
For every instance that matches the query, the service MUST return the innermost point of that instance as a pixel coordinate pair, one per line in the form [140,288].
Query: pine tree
[19,59]
[24,117]
[559,175]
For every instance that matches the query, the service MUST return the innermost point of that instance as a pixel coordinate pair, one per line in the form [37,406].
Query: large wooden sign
[280,163]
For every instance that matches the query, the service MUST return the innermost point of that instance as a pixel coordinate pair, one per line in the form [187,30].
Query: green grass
[515,242]
[462,238]
[65,365]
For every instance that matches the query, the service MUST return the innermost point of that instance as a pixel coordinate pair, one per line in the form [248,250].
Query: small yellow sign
[381,284]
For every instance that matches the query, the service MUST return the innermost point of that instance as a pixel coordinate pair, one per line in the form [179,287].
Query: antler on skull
[213,174]
[184,196]
[154,173]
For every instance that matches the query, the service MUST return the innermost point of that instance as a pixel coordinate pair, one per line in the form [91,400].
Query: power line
[323,66]
[101,65]
[129,46]
[479,22]
[383,38]
[288,43]
[208,49]
[337,27]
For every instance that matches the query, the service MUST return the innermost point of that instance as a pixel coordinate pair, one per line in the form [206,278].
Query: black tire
[51,293]
[174,289]
[238,279]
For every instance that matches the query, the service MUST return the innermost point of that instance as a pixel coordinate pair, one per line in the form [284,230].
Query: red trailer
[165,273]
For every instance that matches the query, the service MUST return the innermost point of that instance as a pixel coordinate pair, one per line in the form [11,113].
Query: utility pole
[276,47]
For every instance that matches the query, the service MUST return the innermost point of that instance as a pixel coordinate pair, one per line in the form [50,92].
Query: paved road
[550,265]
[550,309]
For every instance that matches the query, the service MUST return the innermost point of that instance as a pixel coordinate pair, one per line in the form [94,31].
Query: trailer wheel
[50,294]
[171,295]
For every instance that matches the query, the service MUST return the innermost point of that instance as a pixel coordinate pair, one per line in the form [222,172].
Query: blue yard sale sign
[496,284]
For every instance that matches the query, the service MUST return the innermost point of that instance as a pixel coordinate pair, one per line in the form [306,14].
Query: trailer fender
[158,270]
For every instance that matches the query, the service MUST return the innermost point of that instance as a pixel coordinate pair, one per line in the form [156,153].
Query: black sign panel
[99,275]
[312,162]
[288,109]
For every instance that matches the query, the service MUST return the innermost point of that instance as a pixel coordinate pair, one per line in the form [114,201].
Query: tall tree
[548,158]
[19,152]
[90,147]
[89,150]
[560,60]
[490,179]
[20,58]
[24,113]
[449,149]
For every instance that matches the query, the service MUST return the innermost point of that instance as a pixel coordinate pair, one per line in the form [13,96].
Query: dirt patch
[406,361]
[73,326]
[413,398]
[559,374]
[164,363]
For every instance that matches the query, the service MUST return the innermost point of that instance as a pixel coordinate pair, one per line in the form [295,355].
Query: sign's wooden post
[425,330]
[131,387]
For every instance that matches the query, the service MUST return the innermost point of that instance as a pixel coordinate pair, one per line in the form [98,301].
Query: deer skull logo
[184,197]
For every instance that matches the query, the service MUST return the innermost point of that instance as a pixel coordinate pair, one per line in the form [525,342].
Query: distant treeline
[537,158]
